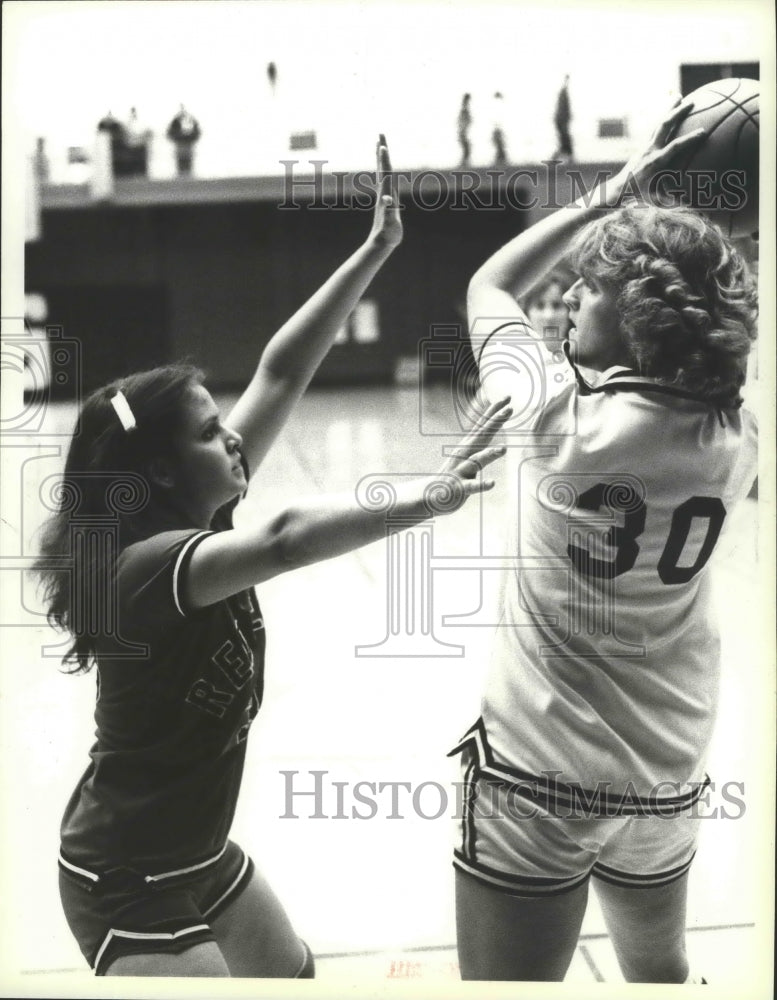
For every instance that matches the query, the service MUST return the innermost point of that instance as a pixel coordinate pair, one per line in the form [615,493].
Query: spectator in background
[463,125]
[111,125]
[497,133]
[548,317]
[117,134]
[40,161]
[272,75]
[184,131]
[561,120]
[137,138]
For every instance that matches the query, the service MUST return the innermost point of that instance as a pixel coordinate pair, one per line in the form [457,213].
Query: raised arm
[496,321]
[292,356]
[318,529]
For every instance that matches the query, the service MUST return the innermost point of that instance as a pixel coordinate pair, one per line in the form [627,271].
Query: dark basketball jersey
[162,786]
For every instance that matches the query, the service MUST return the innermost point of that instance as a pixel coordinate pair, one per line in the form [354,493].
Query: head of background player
[173,469]
[545,307]
[661,291]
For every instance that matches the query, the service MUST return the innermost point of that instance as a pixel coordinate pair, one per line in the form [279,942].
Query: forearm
[304,533]
[332,526]
[289,361]
[300,345]
[518,265]
[521,263]
[310,531]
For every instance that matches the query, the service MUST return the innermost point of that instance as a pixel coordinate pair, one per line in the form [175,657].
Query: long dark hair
[106,499]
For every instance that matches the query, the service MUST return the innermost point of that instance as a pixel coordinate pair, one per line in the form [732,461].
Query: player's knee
[647,967]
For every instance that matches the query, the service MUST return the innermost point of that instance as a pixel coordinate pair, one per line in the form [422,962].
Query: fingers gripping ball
[721,172]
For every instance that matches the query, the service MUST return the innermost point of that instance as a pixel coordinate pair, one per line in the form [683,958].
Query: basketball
[721,174]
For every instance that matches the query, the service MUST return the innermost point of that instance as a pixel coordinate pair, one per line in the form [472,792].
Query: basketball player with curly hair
[588,755]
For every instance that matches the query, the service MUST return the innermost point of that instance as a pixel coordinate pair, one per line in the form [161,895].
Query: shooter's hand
[661,153]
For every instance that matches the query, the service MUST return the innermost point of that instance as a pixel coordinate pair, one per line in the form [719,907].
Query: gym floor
[374,896]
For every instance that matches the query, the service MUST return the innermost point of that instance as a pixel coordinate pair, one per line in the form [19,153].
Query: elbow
[489,279]
[474,289]
[286,544]
[476,282]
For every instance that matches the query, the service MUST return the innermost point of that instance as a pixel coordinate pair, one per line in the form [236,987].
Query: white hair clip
[123,411]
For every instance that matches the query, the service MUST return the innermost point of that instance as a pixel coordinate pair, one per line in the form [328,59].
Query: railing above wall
[537,186]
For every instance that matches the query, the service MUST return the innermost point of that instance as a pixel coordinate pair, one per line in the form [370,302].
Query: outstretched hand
[458,478]
[662,152]
[386,224]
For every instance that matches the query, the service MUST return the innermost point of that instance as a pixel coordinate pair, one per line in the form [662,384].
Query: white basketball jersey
[605,660]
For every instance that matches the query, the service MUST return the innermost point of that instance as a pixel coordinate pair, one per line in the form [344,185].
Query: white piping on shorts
[185,871]
[232,885]
[161,876]
[145,936]
[79,871]
[515,887]
[308,955]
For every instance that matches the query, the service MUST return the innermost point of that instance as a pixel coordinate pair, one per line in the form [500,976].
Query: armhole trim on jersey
[513,322]
[184,556]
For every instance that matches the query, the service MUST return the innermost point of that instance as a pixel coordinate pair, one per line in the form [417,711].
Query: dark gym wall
[162,279]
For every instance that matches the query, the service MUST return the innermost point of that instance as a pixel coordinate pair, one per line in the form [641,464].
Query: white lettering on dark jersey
[237,664]
[207,696]
[235,660]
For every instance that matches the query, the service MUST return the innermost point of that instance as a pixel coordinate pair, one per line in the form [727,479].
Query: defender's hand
[386,224]
[458,478]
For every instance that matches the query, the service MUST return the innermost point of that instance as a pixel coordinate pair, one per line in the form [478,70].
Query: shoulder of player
[158,550]
[627,389]
[743,417]
[149,580]
[553,415]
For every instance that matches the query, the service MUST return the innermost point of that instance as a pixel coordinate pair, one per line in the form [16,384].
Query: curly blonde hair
[686,298]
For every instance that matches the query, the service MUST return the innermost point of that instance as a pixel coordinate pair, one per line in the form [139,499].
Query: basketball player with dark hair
[150,881]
